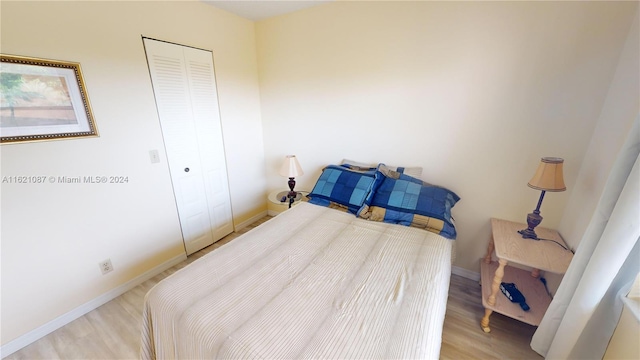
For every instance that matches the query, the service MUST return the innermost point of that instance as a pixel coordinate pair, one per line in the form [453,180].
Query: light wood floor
[112,331]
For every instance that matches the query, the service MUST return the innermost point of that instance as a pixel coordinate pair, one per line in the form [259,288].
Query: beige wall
[54,235]
[475,92]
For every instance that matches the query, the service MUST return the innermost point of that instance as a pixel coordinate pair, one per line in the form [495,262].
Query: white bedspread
[311,283]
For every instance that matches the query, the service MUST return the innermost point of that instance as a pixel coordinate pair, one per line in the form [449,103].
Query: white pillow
[414,171]
[358,164]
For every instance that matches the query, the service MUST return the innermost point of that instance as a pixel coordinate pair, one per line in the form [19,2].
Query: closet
[184,87]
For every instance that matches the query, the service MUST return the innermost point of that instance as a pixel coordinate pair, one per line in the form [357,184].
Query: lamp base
[528,234]
[533,219]
[292,194]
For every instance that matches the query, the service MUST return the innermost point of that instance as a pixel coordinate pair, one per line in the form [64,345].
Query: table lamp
[548,177]
[291,168]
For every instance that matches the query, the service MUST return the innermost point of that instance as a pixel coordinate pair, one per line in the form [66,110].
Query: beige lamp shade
[291,167]
[549,176]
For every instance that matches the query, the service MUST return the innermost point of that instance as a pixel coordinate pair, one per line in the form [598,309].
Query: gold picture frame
[43,100]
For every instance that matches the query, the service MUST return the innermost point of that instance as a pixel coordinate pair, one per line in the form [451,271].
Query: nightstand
[275,206]
[539,255]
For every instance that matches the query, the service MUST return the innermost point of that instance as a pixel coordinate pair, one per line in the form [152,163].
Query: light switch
[155,157]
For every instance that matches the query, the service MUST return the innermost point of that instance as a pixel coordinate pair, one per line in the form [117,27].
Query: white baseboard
[251,220]
[62,320]
[273,213]
[465,273]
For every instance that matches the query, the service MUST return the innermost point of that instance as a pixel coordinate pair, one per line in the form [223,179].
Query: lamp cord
[553,241]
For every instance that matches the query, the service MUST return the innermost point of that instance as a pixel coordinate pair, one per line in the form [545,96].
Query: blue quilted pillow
[341,187]
[402,199]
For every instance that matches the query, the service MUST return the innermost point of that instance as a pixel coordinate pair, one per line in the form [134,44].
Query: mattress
[313,282]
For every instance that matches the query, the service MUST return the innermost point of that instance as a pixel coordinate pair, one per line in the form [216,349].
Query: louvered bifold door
[184,85]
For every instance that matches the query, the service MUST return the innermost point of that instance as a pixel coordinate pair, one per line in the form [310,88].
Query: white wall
[624,342]
[621,108]
[474,92]
[54,235]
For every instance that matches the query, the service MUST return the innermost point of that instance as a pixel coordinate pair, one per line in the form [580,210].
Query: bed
[313,282]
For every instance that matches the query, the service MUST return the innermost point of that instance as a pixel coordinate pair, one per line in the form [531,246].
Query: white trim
[633,304]
[465,273]
[273,213]
[62,320]
[251,220]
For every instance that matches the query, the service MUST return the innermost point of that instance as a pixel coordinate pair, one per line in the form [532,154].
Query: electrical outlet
[154,156]
[105,266]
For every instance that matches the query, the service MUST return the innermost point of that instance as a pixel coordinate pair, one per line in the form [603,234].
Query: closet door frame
[184,86]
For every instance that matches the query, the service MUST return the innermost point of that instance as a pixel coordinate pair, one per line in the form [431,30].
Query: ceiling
[258,10]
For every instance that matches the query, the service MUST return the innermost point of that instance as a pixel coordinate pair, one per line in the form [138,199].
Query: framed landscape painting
[42,100]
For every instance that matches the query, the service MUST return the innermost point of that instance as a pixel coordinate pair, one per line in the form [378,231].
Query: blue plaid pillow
[341,187]
[402,199]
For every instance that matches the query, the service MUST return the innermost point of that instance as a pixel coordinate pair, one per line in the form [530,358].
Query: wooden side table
[509,246]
